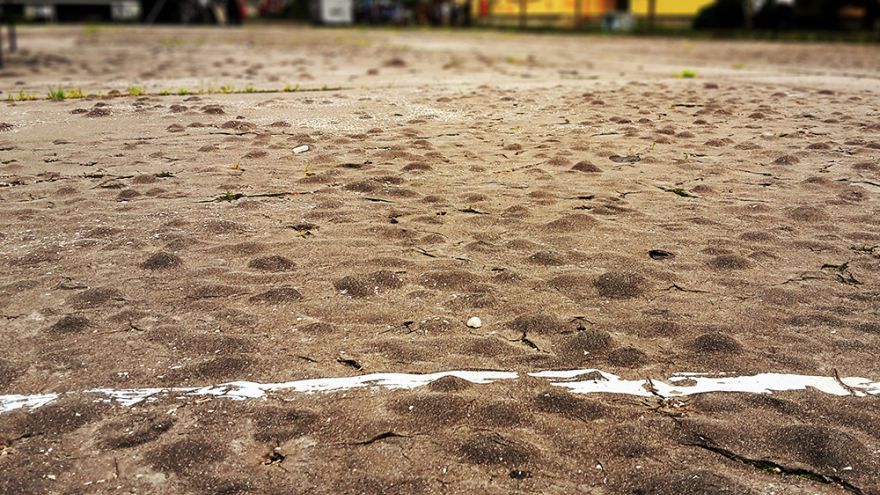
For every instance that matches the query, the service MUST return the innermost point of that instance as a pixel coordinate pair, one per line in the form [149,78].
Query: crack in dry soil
[767,465]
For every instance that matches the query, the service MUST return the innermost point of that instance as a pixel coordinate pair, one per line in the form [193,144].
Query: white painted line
[251,390]
[584,381]
[684,384]
[13,402]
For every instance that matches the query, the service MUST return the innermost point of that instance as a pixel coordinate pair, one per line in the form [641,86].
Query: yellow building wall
[589,8]
[688,8]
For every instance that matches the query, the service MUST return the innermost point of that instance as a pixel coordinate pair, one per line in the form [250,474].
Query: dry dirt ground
[591,208]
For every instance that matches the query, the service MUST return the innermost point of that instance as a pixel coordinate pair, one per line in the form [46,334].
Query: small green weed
[56,94]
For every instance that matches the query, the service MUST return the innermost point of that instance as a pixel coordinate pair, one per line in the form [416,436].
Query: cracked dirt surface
[593,210]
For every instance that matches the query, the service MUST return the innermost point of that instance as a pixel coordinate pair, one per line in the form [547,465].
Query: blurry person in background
[225,12]
[790,14]
[461,10]
[445,13]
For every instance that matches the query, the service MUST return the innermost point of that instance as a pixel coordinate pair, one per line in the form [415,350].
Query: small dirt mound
[586,167]
[807,214]
[276,425]
[786,160]
[91,298]
[559,161]
[538,323]
[620,285]
[627,357]
[220,368]
[162,261]
[503,413]
[823,448]
[127,195]
[369,284]
[433,409]
[729,262]
[278,295]
[274,263]
[98,112]
[362,186]
[70,324]
[213,109]
[565,404]
[573,222]
[449,384]
[757,236]
[546,258]
[516,211]
[450,279]
[586,343]
[239,125]
[417,167]
[494,449]
[395,62]
[716,343]
[252,155]
[318,328]
[145,179]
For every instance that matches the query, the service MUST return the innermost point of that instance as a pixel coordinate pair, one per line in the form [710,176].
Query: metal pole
[522,14]
[652,13]
[13,41]
[578,8]
[749,13]
[154,13]
[1,35]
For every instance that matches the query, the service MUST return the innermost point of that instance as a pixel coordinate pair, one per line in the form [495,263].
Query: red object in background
[484,8]
[269,7]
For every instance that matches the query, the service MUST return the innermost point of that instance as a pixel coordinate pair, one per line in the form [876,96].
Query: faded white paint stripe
[584,381]
[252,390]
[684,384]
[13,402]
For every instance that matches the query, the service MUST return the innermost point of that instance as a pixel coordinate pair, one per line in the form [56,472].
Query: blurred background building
[615,15]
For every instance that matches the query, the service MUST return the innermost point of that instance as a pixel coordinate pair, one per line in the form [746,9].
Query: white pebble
[474,322]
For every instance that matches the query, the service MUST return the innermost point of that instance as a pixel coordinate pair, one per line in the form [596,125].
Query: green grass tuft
[56,94]
[22,96]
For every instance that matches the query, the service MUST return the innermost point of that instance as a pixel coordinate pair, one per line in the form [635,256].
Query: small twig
[842,384]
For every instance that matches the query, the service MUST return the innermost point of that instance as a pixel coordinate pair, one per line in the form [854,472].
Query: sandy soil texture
[593,210]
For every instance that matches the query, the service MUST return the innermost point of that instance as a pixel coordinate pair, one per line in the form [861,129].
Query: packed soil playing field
[245,261]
